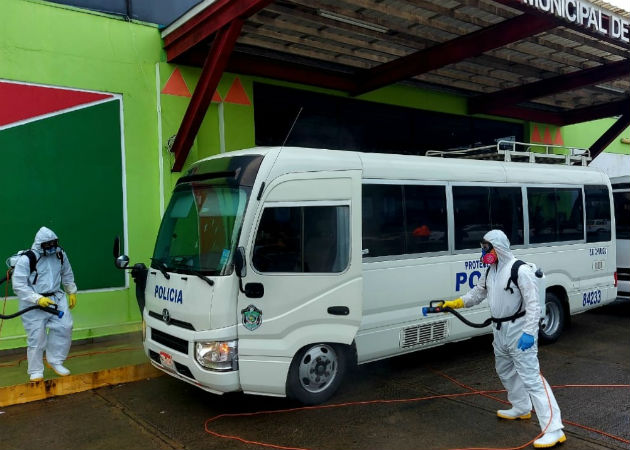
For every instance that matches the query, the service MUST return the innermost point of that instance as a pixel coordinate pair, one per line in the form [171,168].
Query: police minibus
[276,268]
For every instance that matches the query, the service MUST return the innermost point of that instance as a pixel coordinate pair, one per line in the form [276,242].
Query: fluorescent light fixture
[610,89]
[351,21]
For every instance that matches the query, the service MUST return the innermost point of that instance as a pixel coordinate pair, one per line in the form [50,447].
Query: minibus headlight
[217,355]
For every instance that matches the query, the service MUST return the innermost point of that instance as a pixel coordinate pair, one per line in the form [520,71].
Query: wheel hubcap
[551,322]
[318,368]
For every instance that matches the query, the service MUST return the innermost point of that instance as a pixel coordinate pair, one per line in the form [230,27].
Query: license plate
[167,360]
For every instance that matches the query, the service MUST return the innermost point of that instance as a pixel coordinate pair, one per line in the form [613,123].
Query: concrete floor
[163,413]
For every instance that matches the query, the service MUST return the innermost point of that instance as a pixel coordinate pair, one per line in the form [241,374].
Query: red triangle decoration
[19,101]
[536,135]
[175,85]
[237,94]
[547,139]
[557,140]
[216,97]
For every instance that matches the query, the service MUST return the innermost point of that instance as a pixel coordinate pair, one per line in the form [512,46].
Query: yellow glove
[45,301]
[72,300]
[455,304]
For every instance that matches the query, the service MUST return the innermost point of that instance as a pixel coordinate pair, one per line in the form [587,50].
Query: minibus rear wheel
[316,372]
[552,324]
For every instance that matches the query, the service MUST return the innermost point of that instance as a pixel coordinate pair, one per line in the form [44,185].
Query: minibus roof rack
[514,151]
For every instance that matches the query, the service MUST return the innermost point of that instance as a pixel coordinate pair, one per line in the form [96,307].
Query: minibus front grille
[169,341]
[174,322]
[423,334]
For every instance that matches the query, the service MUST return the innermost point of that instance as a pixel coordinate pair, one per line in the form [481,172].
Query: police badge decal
[252,317]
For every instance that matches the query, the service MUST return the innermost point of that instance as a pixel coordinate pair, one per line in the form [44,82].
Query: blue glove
[526,341]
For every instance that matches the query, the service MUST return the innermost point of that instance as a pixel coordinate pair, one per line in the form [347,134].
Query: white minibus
[276,268]
[621,195]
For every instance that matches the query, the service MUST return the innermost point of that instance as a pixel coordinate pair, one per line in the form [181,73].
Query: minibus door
[303,280]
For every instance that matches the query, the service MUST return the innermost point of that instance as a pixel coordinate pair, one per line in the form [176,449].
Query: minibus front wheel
[316,372]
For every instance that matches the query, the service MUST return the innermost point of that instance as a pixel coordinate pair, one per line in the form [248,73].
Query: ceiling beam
[530,115]
[610,135]
[458,49]
[211,73]
[609,109]
[206,23]
[488,103]
[288,71]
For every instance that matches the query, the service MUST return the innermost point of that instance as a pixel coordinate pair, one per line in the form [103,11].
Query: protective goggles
[486,246]
[50,244]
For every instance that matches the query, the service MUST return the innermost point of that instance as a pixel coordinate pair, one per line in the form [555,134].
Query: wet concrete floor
[164,413]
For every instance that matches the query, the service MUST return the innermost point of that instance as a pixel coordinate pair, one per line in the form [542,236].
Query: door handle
[338,310]
[254,290]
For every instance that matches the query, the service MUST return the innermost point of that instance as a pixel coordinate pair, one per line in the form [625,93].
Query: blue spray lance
[435,307]
[48,309]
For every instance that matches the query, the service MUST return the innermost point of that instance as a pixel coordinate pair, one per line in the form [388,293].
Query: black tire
[554,320]
[316,372]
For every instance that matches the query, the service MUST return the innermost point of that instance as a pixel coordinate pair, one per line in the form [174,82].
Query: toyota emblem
[166,316]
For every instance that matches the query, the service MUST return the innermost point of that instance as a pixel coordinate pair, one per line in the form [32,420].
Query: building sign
[586,15]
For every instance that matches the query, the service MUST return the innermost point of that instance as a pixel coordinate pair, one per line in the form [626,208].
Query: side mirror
[122,261]
[239,262]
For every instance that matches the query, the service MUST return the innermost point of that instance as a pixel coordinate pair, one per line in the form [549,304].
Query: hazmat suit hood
[501,245]
[44,235]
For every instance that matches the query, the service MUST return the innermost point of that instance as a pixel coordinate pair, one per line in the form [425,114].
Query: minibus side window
[425,215]
[383,220]
[597,199]
[479,209]
[301,239]
[555,214]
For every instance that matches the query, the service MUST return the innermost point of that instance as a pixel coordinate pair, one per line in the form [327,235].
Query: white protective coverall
[51,272]
[518,370]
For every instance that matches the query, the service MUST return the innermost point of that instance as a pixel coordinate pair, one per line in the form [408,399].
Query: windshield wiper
[202,276]
[187,269]
[162,267]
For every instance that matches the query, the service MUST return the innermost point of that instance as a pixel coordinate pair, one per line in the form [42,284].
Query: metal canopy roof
[508,58]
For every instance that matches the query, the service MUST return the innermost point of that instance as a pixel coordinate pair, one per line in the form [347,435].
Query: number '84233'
[591,297]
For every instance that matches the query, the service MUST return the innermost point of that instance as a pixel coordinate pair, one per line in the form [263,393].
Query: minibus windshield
[202,223]
[200,228]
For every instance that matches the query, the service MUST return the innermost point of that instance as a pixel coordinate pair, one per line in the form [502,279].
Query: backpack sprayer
[435,305]
[11,263]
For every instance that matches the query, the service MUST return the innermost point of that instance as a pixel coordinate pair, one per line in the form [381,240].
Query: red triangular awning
[20,101]
[176,85]
[536,135]
[237,94]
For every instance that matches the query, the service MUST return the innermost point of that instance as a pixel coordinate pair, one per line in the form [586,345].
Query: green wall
[585,134]
[58,46]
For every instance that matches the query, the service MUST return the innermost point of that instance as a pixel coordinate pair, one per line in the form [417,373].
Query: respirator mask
[488,253]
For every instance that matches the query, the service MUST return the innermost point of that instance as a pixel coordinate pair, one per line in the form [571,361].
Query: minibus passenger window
[597,201]
[555,214]
[479,209]
[425,213]
[383,220]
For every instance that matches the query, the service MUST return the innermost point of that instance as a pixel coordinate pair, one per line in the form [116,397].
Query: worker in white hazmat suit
[42,287]
[515,338]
